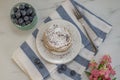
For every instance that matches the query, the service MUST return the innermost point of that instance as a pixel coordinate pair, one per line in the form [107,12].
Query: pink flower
[110,69]
[107,74]
[109,66]
[102,62]
[113,72]
[94,74]
[95,78]
[93,64]
[91,77]
[102,71]
[108,79]
[106,58]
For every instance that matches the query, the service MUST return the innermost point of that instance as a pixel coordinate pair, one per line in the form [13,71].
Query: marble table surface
[11,37]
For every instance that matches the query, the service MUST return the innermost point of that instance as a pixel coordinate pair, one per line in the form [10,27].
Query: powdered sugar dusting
[58,36]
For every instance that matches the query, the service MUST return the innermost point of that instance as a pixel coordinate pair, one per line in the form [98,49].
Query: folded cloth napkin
[26,56]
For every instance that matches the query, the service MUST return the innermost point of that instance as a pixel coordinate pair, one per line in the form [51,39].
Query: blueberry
[27,22]
[20,21]
[21,6]
[40,65]
[23,24]
[15,21]
[59,70]
[33,14]
[26,6]
[72,73]
[13,16]
[31,18]
[63,67]
[26,18]
[15,9]
[23,12]
[36,61]
[18,14]
[29,11]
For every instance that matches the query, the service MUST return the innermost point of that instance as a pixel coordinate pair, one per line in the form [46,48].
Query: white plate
[70,54]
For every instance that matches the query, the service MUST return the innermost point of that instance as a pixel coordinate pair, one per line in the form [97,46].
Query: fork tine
[74,12]
[77,13]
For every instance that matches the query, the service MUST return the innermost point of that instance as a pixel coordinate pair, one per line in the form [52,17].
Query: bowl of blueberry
[23,15]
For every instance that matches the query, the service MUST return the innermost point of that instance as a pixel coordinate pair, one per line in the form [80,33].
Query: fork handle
[95,50]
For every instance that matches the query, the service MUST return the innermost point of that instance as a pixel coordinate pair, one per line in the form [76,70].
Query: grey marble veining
[11,37]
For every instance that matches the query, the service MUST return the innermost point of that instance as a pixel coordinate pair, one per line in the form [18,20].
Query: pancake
[57,38]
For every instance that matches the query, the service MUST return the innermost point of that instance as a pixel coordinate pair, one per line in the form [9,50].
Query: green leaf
[114,78]
[87,73]
[100,66]
[99,78]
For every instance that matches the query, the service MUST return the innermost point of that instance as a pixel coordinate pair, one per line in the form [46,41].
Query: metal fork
[79,15]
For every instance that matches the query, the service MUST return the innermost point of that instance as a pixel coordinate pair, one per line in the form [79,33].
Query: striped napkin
[26,55]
